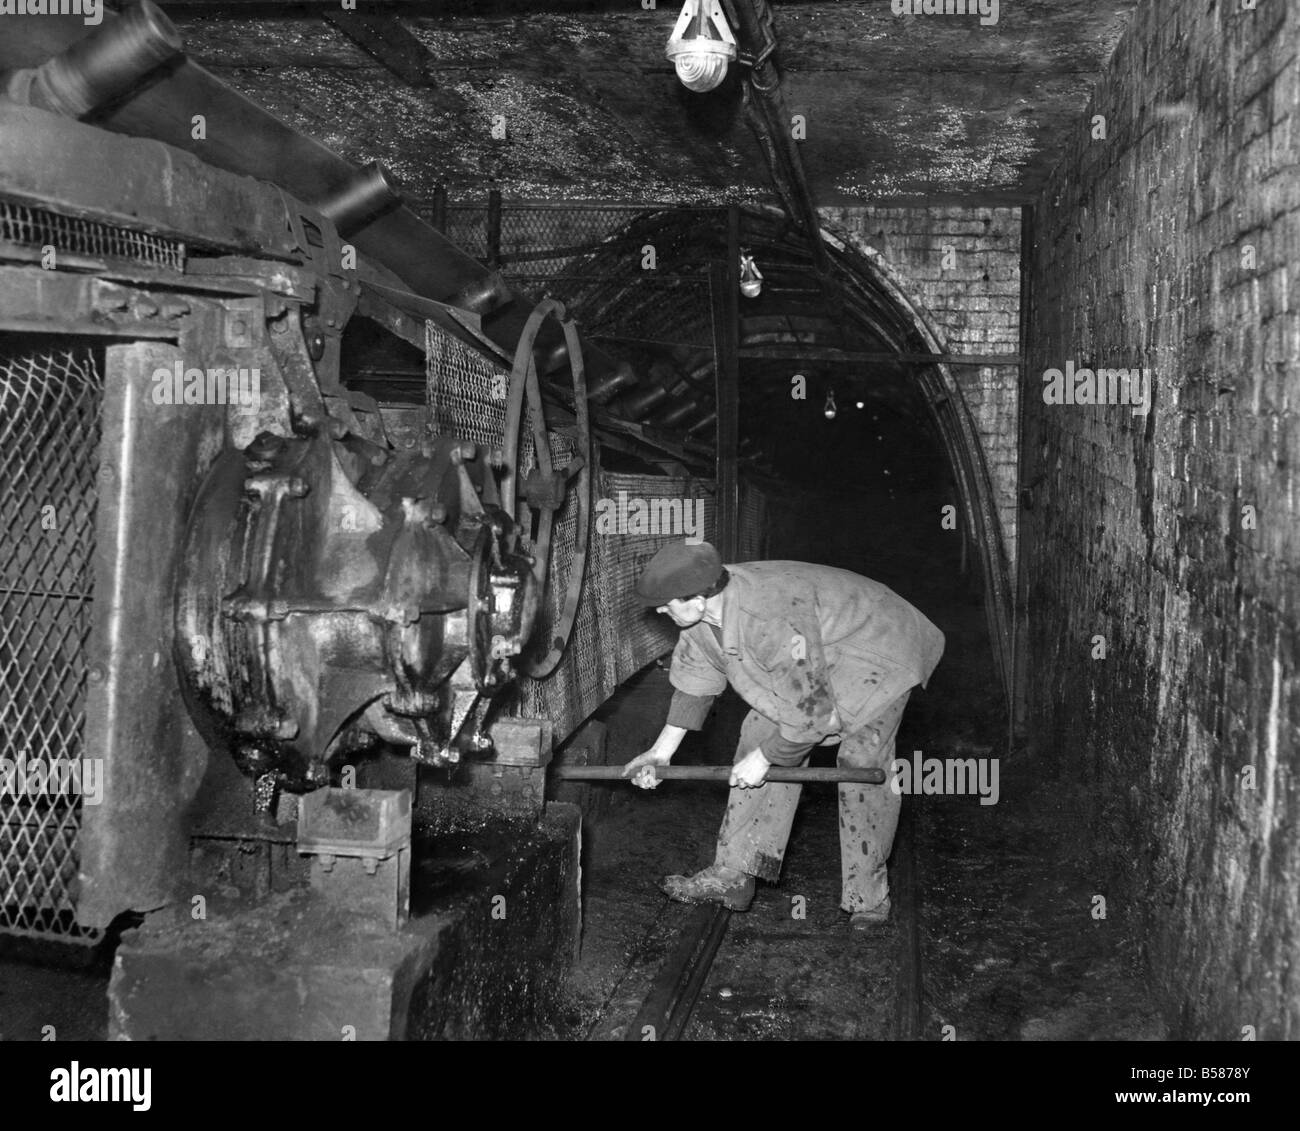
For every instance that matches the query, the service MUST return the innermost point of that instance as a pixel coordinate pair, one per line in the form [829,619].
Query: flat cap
[678,571]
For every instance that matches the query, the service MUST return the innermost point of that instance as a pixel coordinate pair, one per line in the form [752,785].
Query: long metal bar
[801,774]
[831,354]
[667,1007]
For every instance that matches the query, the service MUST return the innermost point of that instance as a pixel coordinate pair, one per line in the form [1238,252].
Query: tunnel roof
[900,108]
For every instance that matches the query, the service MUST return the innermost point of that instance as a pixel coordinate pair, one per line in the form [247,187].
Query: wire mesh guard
[752,524]
[641,515]
[613,637]
[40,228]
[467,399]
[536,240]
[591,258]
[49,431]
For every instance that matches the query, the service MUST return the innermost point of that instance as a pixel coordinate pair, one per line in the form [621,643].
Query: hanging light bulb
[751,278]
[862,404]
[701,59]
[830,409]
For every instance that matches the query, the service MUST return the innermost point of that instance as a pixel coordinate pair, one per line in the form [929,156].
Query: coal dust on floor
[1010,949]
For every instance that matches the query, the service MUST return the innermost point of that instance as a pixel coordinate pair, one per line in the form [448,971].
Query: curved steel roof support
[873,303]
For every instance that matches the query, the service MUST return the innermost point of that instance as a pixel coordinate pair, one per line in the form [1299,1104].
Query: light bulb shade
[701,57]
[830,408]
[751,278]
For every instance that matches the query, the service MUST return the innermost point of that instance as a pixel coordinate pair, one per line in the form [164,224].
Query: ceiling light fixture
[701,59]
[751,278]
[830,409]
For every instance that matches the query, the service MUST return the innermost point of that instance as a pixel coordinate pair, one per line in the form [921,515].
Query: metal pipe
[101,67]
[704,423]
[621,379]
[364,198]
[554,359]
[803,774]
[677,413]
[483,296]
[640,405]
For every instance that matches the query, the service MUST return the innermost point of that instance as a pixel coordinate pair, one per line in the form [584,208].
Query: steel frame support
[725,283]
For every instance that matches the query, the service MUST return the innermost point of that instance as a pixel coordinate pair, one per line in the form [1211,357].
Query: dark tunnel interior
[716,520]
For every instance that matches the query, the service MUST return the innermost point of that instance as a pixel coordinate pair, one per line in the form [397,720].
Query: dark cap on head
[678,571]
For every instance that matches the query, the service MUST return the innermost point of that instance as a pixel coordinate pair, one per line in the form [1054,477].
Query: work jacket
[820,651]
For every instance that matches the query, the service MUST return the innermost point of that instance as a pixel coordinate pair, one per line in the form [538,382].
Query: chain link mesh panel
[752,525]
[537,241]
[591,258]
[39,228]
[642,514]
[613,637]
[49,432]
[467,398]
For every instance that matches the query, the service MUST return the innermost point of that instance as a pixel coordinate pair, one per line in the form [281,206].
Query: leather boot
[878,916]
[714,884]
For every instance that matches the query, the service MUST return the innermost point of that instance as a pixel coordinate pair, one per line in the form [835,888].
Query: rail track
[700,955]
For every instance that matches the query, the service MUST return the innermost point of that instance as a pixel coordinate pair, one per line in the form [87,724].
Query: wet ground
[1010,948]
[1009,945]
[787,968]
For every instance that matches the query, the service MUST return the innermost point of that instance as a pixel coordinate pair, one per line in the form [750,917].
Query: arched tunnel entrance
[844,383]
[866,451]
[461,487]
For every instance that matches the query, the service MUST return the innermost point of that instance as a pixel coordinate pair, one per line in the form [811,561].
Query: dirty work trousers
[757,823]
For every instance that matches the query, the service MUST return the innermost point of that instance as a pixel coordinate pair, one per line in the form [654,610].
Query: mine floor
[1010,948]
[1009,945]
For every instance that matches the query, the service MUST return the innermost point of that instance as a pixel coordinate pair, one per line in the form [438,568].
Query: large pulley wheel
[545,488]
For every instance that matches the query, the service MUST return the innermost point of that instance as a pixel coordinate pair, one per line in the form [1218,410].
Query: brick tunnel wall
[1169,244]
[962,265]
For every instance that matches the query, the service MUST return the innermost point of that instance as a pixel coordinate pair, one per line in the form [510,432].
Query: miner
[821,655]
